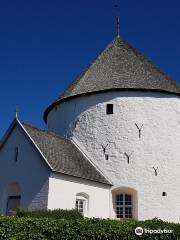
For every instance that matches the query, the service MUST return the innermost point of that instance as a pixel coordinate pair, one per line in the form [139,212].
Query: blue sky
[45,44]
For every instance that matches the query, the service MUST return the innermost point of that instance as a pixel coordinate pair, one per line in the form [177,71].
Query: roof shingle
[122,67]
[63,156]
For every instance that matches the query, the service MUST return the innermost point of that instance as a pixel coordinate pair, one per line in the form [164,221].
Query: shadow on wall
[11,198]
[15,196]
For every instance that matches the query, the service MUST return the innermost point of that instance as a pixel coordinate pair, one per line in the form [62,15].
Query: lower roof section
[63,156]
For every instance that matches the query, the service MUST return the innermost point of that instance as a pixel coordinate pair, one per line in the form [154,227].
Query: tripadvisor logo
[139,231]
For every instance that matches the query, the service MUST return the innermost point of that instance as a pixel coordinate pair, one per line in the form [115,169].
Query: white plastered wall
[30,172]
[63,190]
[158,146]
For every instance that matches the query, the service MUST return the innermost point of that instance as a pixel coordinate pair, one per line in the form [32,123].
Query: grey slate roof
[119,66]
[63,156]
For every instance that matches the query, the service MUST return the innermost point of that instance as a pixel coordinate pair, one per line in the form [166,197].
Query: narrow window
[164,194]
[109,109]
[16,151]
[124,206]
[82,203]
[106,156]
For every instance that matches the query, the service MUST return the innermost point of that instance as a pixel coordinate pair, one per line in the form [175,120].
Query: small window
[124,206]
[16,151]
[106,156]
[82,203]
[164,194]
[109,109]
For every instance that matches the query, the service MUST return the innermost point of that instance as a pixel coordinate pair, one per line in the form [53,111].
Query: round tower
[124,114]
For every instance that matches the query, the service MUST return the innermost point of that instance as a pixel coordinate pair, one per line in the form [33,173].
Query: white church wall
[29,172]
[85,119]
[63,190]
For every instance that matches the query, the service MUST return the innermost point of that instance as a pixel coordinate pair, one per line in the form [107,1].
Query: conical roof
[119,67]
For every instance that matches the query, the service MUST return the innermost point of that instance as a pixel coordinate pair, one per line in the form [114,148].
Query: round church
[111,148]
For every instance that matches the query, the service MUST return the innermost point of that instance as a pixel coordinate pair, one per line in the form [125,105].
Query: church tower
[123,113]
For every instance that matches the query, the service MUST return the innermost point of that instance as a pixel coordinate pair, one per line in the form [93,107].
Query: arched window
[82,202]
[125,203]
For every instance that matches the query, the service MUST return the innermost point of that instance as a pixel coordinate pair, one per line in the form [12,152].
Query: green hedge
[56,214]
[13,228]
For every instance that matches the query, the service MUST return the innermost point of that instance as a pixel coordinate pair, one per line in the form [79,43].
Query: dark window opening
[164,194]
[109,109]
[16,151]
[106,156]
[13,203]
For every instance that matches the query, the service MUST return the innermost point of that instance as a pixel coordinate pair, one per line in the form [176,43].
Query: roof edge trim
[88,158]
[8,132]
[58,101]
[10,129]
[86,179]
[36,146]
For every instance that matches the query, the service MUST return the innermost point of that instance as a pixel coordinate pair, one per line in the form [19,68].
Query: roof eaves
[58,101]
[87,179]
